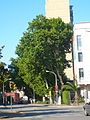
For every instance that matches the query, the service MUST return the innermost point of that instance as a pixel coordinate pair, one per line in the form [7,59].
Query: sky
[15,15]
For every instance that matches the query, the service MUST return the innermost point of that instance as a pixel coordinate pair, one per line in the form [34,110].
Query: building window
[79,43]
[81,73]
[80,57]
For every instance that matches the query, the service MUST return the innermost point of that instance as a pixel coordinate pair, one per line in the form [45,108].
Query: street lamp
[56,86]
[3,89]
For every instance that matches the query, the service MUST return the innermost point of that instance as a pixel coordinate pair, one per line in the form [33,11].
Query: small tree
[72,86]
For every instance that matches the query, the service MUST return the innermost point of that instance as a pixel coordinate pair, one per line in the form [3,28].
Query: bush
[41,102]
[65,97]
[81,99]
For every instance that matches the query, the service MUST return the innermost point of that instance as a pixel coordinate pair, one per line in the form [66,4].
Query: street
[44,112]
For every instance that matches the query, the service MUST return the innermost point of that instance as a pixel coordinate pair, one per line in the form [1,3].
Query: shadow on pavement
[34,113]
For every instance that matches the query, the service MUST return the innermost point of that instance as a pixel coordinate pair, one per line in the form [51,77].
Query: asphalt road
[43,112]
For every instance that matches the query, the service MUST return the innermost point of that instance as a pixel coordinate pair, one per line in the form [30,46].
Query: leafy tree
[1,50]
[43,47]
[4,72]
[17,78]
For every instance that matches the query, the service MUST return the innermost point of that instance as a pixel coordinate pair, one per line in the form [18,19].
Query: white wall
[82,29]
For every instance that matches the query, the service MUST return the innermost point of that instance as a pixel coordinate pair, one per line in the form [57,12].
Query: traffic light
[14,87]
[11,85]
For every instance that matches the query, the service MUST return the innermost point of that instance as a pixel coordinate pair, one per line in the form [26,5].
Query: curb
[4,111]
[1,117]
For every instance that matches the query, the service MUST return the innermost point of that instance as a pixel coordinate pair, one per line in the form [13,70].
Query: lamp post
[3,89]
[56,86]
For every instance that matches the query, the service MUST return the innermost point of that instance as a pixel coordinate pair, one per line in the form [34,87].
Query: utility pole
[56,86]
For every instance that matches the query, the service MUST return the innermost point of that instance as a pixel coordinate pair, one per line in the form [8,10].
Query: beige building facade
[62,9]
[58,8]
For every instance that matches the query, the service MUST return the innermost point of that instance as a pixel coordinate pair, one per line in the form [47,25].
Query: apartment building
[58,8]
[81,52]
[62,9]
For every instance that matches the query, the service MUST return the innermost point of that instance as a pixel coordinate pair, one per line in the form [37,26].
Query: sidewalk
[15,108]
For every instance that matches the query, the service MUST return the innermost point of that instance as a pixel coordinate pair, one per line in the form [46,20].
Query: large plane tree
[42,47]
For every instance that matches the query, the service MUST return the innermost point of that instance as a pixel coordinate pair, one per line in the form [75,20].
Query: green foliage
[65,97]
[43,47]
[4,74]
[72,86]
[1,47]
[81,99]
[41,102]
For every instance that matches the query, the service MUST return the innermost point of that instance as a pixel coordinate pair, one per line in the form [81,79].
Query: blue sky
[15,15]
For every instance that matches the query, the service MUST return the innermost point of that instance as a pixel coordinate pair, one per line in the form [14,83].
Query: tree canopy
[42,47]
[1,47]
[4,72]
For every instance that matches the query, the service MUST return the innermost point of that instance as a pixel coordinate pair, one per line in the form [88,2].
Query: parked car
[23,100]
[86,108]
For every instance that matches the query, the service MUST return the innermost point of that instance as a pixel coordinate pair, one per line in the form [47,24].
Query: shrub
[65,97]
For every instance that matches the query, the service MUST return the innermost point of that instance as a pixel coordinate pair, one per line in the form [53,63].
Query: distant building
[81,52]
[62,9]
[71,14]
[59,8]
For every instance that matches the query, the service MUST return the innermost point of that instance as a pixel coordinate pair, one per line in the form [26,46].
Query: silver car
[86,108]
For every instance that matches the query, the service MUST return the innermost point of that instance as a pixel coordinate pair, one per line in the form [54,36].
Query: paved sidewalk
[15,108]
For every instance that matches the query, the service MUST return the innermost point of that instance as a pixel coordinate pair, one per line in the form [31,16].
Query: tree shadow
[34,113]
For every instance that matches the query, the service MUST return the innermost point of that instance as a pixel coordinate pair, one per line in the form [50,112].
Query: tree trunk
[50,97]
[76,98]
[46,84]
[43,98]
[60,78]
